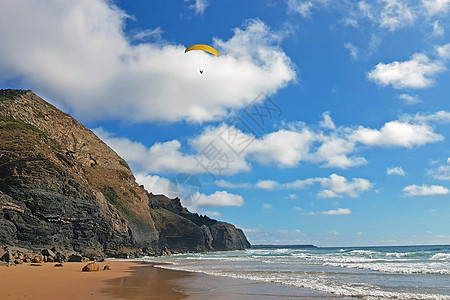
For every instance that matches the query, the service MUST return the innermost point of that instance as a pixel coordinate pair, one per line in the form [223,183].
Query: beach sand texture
[133,280]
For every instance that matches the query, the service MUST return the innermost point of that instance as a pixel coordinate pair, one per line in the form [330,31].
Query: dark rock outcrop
[61,186]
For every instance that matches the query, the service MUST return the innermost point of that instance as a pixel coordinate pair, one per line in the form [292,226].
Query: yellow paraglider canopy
[202,47]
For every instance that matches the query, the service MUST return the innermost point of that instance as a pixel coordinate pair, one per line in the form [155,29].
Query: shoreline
[135,280]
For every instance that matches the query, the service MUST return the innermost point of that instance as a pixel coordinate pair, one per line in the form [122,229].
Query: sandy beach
[133,280]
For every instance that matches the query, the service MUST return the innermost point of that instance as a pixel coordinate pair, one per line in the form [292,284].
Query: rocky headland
[64,190]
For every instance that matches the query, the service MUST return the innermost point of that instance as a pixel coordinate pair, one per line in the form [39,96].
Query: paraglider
[204,48]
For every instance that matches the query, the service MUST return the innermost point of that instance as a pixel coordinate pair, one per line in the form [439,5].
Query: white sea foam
[360,290]
[399,268]
[391,273]
[441,256]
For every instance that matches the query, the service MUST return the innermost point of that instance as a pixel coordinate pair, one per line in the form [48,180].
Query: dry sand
[133,280]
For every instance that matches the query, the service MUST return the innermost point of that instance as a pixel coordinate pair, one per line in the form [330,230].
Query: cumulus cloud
[397,133]
[442,172]
[162,157]
[416,73]
[219,198]
[267,206]
[154,183]
[327,122]
[86,62]
[425,190]
[266,184]
[436,6]
[339,186]
[335,151]
[199,6]
[285,148]
[334,186]
[444,51]
[408,99]
[395,171]
[441,116]
[396,14]
[191,199]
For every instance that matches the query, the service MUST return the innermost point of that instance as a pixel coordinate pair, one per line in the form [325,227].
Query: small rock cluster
[15,256]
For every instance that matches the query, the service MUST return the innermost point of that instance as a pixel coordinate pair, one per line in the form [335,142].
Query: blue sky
[355,151]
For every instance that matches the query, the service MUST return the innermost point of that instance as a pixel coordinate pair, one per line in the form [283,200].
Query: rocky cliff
[61,186]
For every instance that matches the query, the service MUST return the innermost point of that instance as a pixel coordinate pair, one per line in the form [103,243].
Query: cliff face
[61,186]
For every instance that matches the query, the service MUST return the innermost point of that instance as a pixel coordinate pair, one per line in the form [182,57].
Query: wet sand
[134,280]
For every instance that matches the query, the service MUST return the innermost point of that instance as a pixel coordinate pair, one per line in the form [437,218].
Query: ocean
[403,272]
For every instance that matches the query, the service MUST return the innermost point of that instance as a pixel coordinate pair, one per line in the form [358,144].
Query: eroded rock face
[61,186]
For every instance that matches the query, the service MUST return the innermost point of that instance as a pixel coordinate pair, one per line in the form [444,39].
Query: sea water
[404,272]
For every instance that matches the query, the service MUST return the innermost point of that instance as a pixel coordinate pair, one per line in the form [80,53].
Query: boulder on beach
[48,252]
[7,257]
[91,267]
[75,258]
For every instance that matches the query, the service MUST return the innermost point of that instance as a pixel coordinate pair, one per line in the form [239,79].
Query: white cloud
[396,133]
[414,73]
[219,198]
[441,116]
[327,122]
[366,9]
[199,6]
[408,99]
[334,186]
[353,50]
[297,208]
[292,196]
[159,158]
[442,172]
[153,183]
[149,34]
[285,148]
[340,186]
[436,6]
[337,212]
[86,62]
[334,151]
[396,14]
[324,194]
[304,8]
[266,184]
[438,30]
[191,199]
[331,212]
[267,206]
[444,51]
[395,171]
[226,184]
[425,190]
